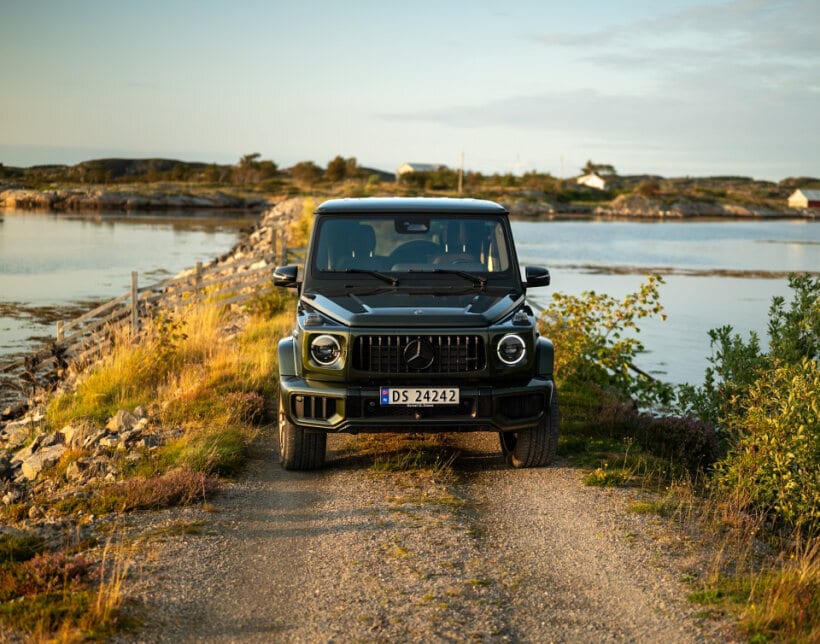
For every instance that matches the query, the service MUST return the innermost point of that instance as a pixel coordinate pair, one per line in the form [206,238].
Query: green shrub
[775,463]
[596,344]
[736,364]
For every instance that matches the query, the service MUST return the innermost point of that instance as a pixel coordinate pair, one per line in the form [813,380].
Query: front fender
[545,353]
[287,358]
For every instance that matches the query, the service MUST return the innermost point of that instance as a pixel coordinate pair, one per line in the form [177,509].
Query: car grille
[313,407]
[386,353]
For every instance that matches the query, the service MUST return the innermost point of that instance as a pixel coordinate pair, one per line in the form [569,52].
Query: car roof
[411,205]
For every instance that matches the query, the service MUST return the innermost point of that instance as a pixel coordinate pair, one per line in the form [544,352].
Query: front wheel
[534,447]
[299,449]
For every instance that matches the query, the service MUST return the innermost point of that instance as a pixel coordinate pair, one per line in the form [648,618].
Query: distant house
[804,199]
[407,168]
[592,180]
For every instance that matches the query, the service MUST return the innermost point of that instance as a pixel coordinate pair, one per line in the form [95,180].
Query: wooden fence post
[60,332]
[283,248]
[198,283]
[135,316]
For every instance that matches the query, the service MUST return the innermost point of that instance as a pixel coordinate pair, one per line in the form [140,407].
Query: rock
[74,435]
[26,453]
[6,470]
[10,497]
[13,411]
[76,469]
[16,434]
[34,513]
[42,459]
[109,441]
[93,439]
[121,421]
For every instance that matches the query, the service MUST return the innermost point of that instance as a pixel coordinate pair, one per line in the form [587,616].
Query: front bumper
[333,408]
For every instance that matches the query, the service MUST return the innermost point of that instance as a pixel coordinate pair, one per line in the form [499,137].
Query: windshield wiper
[393,281]
[477,280]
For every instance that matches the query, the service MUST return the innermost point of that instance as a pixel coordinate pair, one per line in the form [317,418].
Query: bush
[735,364]
[766,405]
[775,463]
[594,335]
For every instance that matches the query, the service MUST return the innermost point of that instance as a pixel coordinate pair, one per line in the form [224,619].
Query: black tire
[533,447]
[299,449]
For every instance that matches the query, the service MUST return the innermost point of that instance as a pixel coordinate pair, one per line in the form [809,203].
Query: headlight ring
[325,350]
[511,349]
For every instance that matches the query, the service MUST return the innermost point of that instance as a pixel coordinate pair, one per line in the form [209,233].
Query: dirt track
[350,554]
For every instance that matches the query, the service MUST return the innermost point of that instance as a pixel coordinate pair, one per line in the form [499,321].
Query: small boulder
[40,460]
[121,421]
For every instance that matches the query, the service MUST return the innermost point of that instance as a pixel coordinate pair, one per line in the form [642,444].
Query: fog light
[511,349]
[325,350]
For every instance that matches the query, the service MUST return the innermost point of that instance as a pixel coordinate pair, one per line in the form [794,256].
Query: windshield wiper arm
[393,281]
[477,280]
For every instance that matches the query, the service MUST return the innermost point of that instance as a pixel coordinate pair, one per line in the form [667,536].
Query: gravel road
[475,551]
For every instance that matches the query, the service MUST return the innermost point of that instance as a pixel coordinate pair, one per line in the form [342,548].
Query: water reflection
[52,265]
[716,273]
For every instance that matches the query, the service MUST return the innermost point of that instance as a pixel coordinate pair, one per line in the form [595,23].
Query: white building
[407,168]
[804,199]
[592,180]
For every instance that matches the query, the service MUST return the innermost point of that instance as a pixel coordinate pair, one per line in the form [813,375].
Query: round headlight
[325,349]
[511,349]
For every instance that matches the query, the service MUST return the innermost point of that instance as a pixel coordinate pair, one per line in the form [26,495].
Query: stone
[35,513]
[40,460]
[109,441]
[94,438]
[11,497]
[6,469]
[76,469]
[16,435]
[74,435]
[13,411]
[121,421]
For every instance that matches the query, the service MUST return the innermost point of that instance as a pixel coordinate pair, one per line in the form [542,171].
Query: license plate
[419,396]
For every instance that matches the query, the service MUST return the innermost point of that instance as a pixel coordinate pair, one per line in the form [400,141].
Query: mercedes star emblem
[419,354]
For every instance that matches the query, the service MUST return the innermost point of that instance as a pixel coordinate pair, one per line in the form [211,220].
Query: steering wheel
[418,251]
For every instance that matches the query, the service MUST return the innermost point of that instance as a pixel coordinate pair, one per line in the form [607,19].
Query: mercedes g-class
[412,316]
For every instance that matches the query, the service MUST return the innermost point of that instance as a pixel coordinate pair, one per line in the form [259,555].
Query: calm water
[716,273]
[51,260]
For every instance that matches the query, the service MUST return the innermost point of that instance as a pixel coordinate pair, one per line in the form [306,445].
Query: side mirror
[285,276]
[536,276]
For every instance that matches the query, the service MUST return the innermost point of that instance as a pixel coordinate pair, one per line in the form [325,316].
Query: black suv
[412,317]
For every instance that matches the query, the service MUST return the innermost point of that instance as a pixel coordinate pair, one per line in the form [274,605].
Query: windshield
[411,244]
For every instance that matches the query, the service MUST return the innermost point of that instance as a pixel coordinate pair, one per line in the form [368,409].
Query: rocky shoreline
[531,204]
[29,448]
[72,200]
[535,206]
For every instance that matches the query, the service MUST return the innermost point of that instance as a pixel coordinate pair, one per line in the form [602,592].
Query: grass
[214,392]
[764,579]
[62,595]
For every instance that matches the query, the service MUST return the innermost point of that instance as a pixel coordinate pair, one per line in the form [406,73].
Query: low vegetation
[209,392]
[736,459]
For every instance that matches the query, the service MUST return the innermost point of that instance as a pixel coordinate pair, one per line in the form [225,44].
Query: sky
[676,88]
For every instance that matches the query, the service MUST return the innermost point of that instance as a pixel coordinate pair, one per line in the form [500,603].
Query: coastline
[76,199]
[159,197]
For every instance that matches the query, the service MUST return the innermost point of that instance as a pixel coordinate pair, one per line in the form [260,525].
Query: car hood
[399,310]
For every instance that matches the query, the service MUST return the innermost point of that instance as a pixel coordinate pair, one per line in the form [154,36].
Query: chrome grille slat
[385,354]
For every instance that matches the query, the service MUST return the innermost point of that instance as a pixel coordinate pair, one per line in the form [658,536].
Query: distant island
[254,183]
